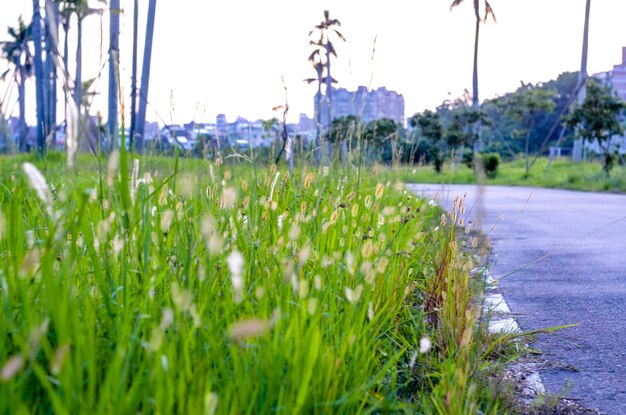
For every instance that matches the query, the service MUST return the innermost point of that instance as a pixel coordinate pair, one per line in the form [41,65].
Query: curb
[501,321]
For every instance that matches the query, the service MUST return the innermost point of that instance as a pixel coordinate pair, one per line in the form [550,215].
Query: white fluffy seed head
[39,184]
[425,345]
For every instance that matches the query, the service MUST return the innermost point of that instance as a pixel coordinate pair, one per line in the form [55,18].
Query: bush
[491,161]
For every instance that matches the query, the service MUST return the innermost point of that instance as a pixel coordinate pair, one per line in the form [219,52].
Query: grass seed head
[425,345]
[59,359]
[39,184]
[309,178]
[354,295]
[11,368]
[235,266]
[166,220]
[248,329]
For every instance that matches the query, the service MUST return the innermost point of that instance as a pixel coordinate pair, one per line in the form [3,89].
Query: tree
[582,75]
[488,11]
[326,31]
[597,118]
[52,18]
[344,128]
[524,106]
[145,73]
[431,128]
[39,79]
[17,52]
[316,60]
[81,9]
[114,60]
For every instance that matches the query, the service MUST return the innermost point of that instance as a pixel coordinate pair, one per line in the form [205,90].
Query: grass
[190,286]
[563,174]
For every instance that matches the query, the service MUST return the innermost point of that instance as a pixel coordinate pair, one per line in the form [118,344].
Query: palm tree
[39,77]
[326,30]
[81,9]
[52,34]
[475,103]
[582,75]
[580,152]
[16,51]
[316,60]
[145,73]
[114,56]
[488,11]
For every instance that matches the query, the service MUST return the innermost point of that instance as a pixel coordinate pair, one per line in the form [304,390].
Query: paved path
[582,280]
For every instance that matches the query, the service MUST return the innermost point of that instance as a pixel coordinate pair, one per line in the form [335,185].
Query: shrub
[491,161]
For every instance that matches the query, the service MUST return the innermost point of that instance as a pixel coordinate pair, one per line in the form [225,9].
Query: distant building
[368,105]
[618,77]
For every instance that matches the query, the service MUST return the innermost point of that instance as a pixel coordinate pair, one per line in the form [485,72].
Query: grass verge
[563,174]
[177,286]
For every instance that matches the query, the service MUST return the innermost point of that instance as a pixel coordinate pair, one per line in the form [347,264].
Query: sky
[235,56]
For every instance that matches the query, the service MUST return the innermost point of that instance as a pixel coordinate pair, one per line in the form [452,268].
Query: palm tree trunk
[133,88]
[52,24]
[114,51]
[582,77]
[66,51]
[78,80]
[145,74]
[39,79]
[475,102]
[475,71]
[21,87]
[329,91]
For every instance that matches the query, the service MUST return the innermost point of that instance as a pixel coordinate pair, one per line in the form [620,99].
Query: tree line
[33,49]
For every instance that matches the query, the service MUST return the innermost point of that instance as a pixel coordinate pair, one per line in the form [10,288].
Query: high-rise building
[367,105]
[618,77]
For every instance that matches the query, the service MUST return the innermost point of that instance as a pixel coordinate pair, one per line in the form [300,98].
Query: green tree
[597,118]
[344,129]
[432,129]
[17,52]
[524,106]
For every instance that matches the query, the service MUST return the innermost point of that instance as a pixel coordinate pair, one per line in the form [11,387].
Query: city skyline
[231,57]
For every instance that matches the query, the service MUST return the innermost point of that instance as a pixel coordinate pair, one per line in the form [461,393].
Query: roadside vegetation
[194,286]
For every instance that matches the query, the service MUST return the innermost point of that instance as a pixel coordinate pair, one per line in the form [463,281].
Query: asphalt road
[581,279]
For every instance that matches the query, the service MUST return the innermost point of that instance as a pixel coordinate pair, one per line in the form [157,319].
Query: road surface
[581,279]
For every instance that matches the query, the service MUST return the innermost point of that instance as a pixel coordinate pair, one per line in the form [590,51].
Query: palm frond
[455,3]
[489,11]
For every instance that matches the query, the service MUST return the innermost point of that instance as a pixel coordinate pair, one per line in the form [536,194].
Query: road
[581,279]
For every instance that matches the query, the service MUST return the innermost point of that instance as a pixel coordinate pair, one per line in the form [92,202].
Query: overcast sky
[228,56]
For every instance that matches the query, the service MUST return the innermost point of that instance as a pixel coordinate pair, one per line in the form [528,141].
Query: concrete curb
[501,321]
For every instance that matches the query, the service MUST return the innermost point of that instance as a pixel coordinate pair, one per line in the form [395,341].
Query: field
[162,285]
[564,174]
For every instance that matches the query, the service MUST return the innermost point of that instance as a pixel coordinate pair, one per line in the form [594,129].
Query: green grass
[124,295]
[563,174]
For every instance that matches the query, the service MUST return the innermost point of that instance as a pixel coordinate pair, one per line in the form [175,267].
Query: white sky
[228,56]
